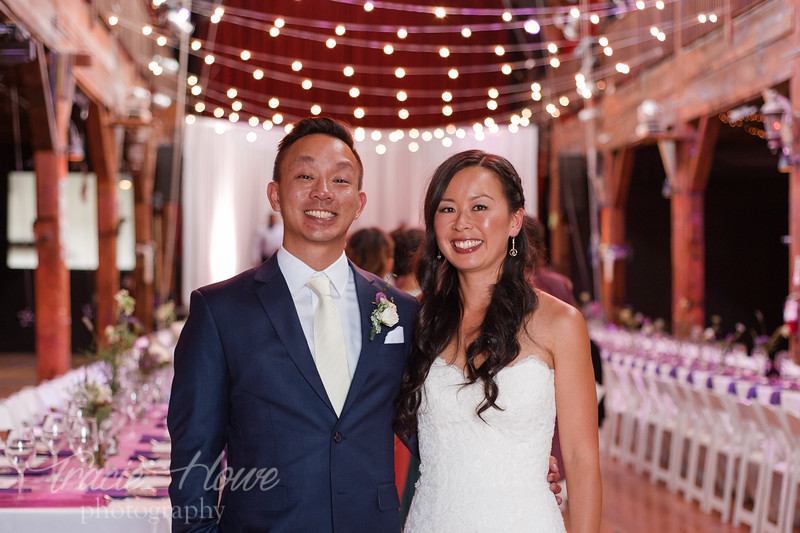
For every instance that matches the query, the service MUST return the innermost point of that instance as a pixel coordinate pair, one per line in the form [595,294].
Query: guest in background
[406,242]
[268,238]
[373,250]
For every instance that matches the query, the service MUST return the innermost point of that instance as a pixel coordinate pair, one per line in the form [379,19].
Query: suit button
[337,437]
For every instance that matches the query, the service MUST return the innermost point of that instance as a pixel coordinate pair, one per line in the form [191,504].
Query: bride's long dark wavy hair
[441,309]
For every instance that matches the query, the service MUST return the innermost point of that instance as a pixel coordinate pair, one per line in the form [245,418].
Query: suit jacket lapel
[277,302]
[366,289]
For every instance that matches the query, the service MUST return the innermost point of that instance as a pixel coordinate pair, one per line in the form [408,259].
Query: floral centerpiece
[154,356]
[165,315]
[95,401]
[118,338]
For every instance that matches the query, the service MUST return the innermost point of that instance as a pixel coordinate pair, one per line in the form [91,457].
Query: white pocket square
[395,336]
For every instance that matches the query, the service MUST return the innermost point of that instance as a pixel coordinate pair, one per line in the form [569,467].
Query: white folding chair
[698,436]
[626,409]
[780,464]
[758,448]
[728,445]
[792,425]
[665,434]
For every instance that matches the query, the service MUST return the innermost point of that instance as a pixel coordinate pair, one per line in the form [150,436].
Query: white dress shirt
[343,290]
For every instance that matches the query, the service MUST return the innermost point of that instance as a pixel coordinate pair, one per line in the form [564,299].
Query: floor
[631,504]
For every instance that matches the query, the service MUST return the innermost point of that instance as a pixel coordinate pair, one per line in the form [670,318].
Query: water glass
[55,432]
[20,448]
[83,439]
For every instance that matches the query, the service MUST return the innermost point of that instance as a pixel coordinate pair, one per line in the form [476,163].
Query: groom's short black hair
[309,126]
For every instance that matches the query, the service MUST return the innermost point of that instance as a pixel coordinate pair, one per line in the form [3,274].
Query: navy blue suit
[245,379]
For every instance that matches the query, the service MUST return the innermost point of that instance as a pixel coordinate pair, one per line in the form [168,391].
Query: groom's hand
[554,476]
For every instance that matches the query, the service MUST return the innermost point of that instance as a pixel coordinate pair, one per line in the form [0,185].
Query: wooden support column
[618,169]
[688,176]
[100,136]
[559,239]
[51,278]
[49,118]
[143,175]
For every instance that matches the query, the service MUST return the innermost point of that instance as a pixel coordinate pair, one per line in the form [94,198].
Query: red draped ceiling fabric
[245,25]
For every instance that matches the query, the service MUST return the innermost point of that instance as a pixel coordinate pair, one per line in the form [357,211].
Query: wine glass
[20,447]
[83,439]
[55,431]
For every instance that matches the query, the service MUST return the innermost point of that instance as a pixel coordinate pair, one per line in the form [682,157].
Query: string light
[529,19]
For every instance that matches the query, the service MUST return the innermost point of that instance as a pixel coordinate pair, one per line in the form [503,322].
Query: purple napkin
[9,471]
[119,494]
[147,438]
[775,398]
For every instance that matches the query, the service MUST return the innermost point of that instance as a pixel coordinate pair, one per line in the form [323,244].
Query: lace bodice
[486,475]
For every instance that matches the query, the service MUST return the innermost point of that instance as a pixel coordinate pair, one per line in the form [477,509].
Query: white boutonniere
[385,314]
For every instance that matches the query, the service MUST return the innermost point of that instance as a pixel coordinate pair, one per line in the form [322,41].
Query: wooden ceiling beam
[706,79]
[106,71]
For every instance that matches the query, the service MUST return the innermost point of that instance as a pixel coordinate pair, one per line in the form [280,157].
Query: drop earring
[513,251]
[439,255]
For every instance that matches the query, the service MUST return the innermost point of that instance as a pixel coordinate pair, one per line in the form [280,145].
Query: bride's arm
[576,407]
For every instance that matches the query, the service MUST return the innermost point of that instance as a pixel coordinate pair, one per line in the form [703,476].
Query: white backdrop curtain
[226,168]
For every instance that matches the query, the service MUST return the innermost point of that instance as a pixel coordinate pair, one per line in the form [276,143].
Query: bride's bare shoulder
[554,318]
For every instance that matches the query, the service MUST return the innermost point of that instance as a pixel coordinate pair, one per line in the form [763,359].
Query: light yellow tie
[330,352]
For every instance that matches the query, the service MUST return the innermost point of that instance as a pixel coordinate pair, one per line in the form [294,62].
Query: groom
[252,397]
[246,375]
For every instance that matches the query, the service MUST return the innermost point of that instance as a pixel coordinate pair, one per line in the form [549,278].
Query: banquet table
[699,365]
[127,495]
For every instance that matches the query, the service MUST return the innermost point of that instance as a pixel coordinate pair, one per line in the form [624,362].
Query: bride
[493,362]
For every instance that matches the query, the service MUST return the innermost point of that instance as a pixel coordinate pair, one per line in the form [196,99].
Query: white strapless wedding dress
[486,477]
